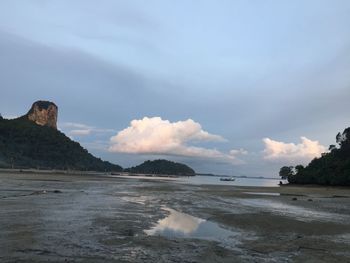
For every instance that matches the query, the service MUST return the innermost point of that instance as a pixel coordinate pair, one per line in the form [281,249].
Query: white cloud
[80,132]
[237,152]
[79,129]
[10,117]
[302,152]
[162,137]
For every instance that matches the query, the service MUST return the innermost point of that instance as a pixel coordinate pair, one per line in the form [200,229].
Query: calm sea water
[214,180]
[211,180]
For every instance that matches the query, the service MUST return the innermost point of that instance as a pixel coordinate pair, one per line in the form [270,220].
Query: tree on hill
[332,168]
[162,167]
[24,144]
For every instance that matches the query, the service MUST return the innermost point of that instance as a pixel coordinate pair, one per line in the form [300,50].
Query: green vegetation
[162,167]
[286,172]
[333,168]
[24,144]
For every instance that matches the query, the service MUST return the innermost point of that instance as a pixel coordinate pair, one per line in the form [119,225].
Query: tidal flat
[93,218]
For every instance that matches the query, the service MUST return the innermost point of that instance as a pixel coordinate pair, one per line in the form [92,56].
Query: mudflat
[93,218]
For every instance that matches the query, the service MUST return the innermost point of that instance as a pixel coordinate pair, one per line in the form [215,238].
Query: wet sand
[74,218]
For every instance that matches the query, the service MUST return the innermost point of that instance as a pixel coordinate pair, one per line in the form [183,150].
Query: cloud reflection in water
[181,225]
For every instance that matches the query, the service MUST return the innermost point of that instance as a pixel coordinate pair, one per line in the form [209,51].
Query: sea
[213,180]
[239,181]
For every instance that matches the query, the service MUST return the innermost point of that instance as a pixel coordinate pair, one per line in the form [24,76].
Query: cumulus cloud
[157,136]
[304,151]
[79,129]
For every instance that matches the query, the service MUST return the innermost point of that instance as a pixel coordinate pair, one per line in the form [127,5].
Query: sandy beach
[93,218]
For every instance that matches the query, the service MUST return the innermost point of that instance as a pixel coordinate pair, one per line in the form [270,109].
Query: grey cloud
[83,86]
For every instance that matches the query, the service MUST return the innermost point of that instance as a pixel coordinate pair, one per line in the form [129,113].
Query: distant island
[332,168]
[162,167]
[33,141]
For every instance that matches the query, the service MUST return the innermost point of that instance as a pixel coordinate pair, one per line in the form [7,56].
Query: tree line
[332,168]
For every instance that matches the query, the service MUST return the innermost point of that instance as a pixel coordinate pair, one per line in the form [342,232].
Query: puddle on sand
[261,193]
[181,225]
[298,212]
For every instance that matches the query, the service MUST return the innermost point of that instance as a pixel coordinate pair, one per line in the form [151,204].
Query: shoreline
[126,175]
[95,218]
[154,176]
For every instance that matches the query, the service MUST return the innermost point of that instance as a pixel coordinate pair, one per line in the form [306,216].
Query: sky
[226,86]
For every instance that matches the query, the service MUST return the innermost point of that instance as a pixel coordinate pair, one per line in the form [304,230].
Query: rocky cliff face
[44,113]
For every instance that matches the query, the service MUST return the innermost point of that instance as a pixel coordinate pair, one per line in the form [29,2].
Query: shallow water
[215,180]
[181,225]
[210,180]
[297,212]
[261,193]
[101,219]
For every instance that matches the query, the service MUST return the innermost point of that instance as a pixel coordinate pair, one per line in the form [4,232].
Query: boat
[229,179]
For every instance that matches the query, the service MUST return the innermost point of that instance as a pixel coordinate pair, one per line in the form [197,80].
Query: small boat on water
[228,179]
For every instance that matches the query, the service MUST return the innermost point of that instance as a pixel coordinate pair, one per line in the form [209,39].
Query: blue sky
[243,71]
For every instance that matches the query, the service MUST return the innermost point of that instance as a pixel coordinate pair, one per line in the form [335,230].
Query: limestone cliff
[43,113]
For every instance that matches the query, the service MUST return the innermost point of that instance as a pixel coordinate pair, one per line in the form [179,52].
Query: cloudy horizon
[227,87]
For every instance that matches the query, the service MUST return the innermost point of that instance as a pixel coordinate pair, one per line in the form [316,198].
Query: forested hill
[25,144]
[333,168]
[162,167]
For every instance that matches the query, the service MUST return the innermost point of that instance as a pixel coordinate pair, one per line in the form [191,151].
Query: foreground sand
[72,218]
